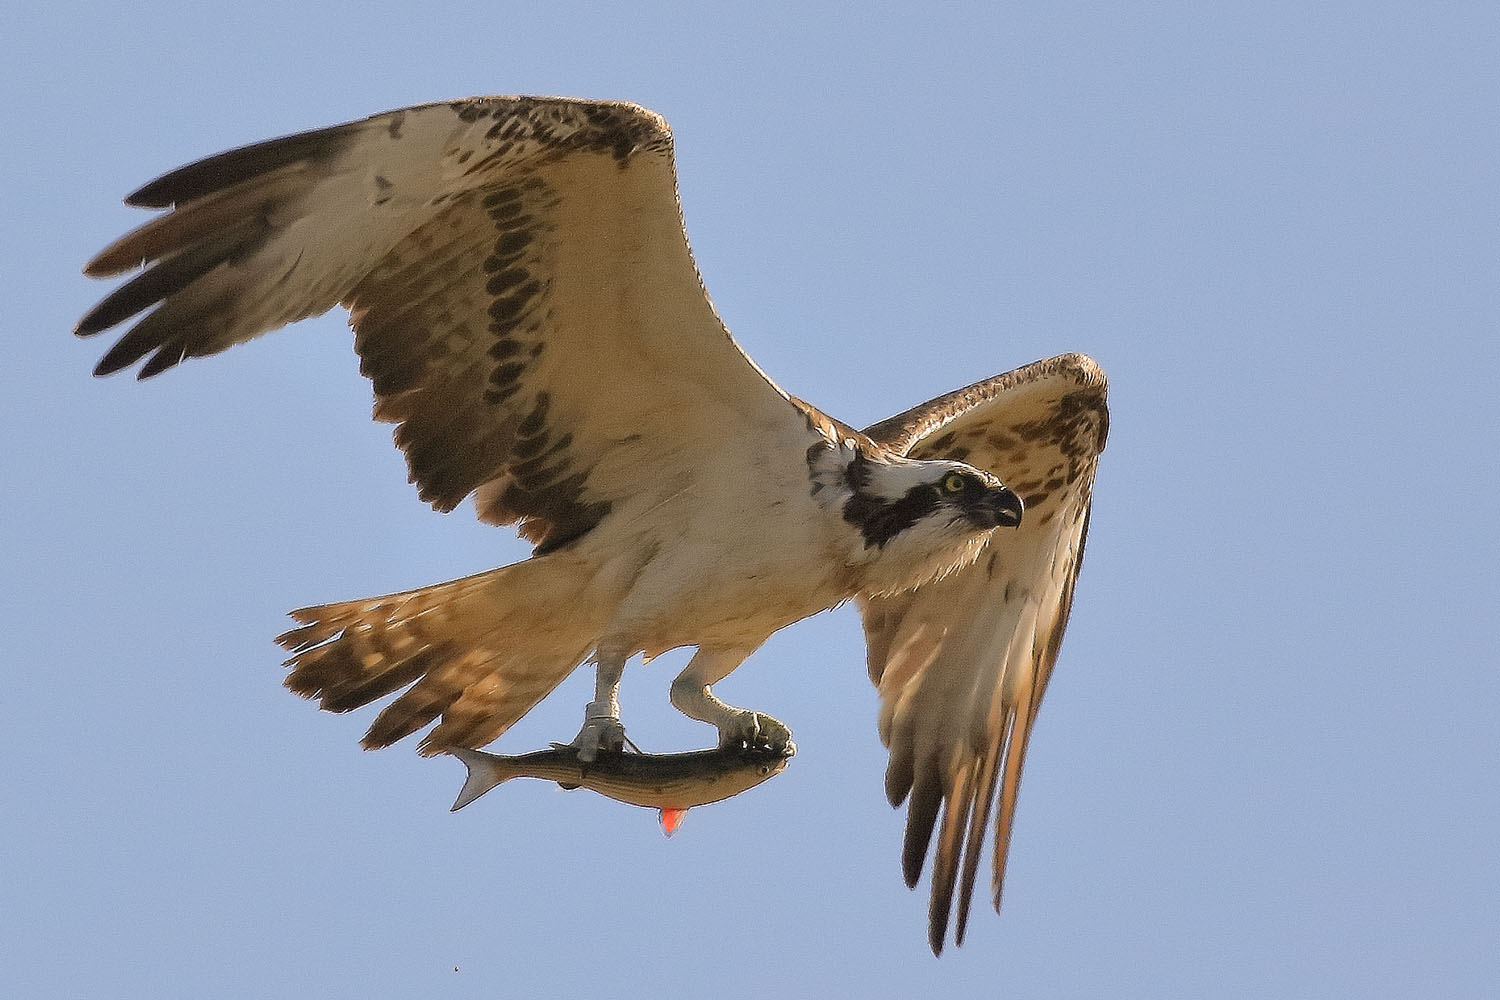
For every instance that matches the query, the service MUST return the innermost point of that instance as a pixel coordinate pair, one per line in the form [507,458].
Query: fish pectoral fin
[671,819]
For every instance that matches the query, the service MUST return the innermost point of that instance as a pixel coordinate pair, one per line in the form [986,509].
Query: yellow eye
[955,482]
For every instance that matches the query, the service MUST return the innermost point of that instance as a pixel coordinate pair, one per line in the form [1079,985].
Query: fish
[671,783]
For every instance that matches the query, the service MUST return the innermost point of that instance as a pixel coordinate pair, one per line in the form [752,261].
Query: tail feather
[477,653]
[352,694]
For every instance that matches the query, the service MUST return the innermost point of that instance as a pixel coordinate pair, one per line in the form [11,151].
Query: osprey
[526,306]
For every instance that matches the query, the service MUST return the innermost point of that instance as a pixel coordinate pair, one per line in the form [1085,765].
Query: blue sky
[1266,763]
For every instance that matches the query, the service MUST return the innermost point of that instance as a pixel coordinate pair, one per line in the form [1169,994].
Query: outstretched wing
[519,281]
[961,664]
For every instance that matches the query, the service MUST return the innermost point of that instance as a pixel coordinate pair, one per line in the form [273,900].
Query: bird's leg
[602,728]
[737,727]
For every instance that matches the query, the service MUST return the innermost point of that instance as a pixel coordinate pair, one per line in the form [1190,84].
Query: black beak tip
[1008,508]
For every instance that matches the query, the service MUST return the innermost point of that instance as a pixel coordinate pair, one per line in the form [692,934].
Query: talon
[756,730]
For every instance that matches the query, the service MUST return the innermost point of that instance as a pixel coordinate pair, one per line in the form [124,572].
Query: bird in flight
[527,309]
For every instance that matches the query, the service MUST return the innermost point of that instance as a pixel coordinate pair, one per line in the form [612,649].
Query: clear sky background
[1267,761]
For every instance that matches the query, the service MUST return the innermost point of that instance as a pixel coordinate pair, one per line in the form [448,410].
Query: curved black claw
[758,731]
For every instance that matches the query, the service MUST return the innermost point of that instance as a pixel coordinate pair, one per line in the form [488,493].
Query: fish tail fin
[473,654]
[484,773]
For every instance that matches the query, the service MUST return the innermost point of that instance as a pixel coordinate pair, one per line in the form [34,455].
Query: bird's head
[923,519]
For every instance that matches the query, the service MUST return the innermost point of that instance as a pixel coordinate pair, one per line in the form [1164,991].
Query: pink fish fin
[671,819]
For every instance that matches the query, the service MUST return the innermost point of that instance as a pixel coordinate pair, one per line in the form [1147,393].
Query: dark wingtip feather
[898,777]
[989,776]
[127,351]
[166,356]
[935,935]
[921,815]
[101,267]
[156,284]
[222,170]
[945,863]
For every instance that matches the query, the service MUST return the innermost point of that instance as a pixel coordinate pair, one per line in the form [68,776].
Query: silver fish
[672,783]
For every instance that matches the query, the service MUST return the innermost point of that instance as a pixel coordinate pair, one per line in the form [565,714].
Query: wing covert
[961,664]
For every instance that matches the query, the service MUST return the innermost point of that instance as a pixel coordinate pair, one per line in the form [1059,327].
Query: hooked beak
[999,508]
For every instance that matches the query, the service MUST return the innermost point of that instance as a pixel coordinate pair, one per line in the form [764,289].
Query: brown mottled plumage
[527,309]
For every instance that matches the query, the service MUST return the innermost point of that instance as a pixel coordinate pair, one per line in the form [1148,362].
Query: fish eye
[955,482]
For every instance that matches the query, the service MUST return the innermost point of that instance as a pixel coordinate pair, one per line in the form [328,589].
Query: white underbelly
[729,581]
[735,612]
